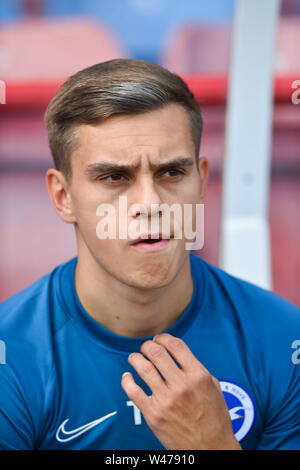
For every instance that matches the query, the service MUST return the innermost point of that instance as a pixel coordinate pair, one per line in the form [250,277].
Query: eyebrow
[101,167]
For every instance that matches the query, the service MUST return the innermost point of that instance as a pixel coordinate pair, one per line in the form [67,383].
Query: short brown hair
[119,86]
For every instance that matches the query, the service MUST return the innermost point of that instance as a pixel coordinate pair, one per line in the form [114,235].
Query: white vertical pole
[244,237]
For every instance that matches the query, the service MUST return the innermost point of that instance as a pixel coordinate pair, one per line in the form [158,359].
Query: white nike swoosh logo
[76,432]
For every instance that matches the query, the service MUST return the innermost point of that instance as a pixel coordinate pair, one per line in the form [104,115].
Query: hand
[187,409]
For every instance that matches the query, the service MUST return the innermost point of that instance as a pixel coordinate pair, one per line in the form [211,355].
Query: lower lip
[151,246]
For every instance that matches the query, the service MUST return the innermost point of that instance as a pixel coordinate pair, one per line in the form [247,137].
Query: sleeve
[282,431]
[16,428]
[280,366]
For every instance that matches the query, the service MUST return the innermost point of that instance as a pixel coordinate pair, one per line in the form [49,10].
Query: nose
[144,199]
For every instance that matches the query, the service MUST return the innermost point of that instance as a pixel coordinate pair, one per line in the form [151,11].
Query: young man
[208,356]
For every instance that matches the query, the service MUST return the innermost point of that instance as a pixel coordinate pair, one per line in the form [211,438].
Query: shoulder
[253,302]
[265,325]
[29,318]
[36,293]
[29,322]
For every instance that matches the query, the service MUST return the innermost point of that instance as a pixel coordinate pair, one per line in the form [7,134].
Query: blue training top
[60,382]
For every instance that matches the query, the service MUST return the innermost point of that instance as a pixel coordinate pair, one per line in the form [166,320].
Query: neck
[131,311]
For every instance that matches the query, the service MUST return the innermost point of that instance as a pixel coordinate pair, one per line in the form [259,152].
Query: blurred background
[42,42]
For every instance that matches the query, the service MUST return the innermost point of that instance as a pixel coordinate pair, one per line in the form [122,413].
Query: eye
[114,177]
[173,173]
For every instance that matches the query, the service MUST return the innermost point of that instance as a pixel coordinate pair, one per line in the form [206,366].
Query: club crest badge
[241,408]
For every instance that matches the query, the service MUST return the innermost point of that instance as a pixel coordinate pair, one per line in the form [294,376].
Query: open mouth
[150,241]
[151,244]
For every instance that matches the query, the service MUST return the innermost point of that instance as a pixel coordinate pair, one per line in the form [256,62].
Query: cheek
[189,195]
[192,209]
[192,190]
[85,205]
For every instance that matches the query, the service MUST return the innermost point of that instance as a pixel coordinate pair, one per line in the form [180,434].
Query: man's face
[139,143]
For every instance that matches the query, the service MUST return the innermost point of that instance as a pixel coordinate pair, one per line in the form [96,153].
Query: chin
[148,283]
[151,276]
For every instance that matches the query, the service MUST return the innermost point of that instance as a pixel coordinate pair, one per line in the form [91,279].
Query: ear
[204,171]
[59,194]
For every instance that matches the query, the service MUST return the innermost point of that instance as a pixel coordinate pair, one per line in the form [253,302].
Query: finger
[216,382]
[181,353]
[162,360]
[135,393]
[147,372]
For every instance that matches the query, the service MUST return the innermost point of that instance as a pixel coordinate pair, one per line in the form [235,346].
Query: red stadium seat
[44,50]
[30,150]
[287,59]
[53,49]
[33,238]
[198,49]
[285,228]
